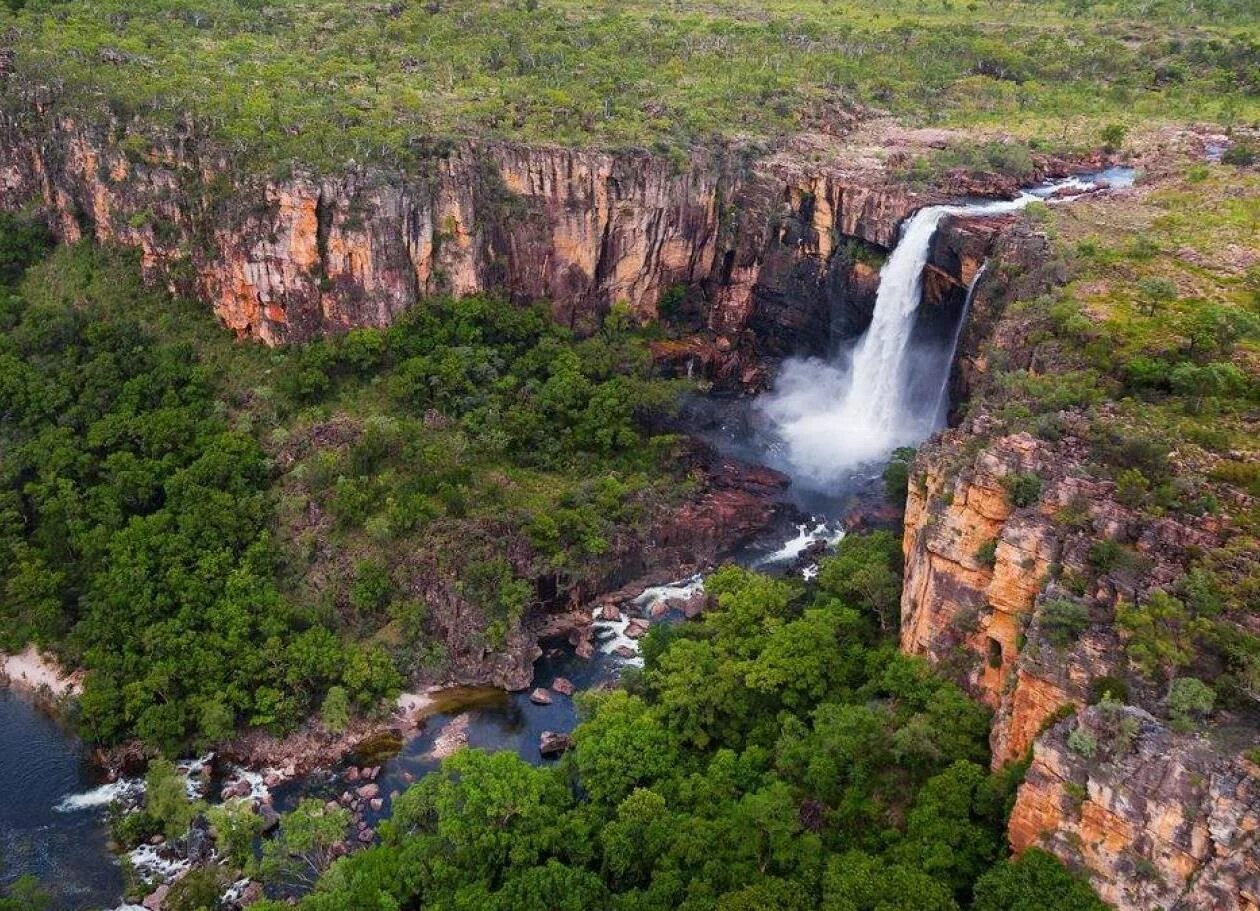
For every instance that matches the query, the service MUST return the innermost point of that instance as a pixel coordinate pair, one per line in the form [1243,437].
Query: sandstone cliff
[781,252]
[1159,820]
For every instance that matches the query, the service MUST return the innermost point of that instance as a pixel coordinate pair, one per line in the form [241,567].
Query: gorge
[549,455]
[838,417]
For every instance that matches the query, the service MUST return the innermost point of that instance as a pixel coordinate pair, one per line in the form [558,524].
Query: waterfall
[836,415]
[942,401]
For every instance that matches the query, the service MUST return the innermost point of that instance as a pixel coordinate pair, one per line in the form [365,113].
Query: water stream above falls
[828,423]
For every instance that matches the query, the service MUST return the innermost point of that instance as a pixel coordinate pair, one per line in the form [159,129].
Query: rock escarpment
[773,247]
[1160,820]
[1168,822]
[1009,589]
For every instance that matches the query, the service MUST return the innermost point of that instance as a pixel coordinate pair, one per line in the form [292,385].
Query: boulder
[563,686]
[553,744]
[660,609]
[153,901]
[637,628]
[367,835]
[368,791]
[272,779]
[252,894]
[352,773]
[270,818]
[610,612]
[584,650]
[238,788]
[198,840]
[376,803]
[694,606]
[540,697]
[625,652]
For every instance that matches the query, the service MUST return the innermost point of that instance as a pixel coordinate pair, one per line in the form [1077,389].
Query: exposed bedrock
[780,254]
[1158,820]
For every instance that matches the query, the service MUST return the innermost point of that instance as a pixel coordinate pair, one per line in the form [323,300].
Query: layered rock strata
[780,249]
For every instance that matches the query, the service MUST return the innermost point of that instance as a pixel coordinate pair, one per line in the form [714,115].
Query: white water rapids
[837,415]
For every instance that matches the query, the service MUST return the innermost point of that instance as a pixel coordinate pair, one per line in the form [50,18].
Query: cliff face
[1170,821]
[776,246]
[1159,820]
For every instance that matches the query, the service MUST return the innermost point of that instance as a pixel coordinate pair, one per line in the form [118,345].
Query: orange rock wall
[1164,821]
[285,259]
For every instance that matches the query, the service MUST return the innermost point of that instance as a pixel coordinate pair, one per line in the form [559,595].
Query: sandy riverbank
[31,670]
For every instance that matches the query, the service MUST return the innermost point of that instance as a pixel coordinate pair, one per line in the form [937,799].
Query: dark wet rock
[199,841]
[552,743]
[625,652]
[378,747]
[270,817]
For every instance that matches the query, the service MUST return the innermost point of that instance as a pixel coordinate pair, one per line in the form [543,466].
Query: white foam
[123,789]
[807,535]
[671,591]
[151,866]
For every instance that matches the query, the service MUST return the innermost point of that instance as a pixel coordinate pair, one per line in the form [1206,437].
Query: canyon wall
[773,245]
[1160,820]
[1000,535]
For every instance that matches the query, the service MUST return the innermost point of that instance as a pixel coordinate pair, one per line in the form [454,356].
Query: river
[40,766]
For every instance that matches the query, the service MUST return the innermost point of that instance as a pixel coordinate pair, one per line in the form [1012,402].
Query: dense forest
[778,753]
[150,536]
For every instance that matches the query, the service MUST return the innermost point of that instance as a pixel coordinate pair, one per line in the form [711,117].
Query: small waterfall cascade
[942,401]
[832,417]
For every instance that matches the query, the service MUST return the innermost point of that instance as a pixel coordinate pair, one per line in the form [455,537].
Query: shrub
[1108,688]
[897,474]
[987,553]
[1161,633]
[1189,702]
[335,711]
[197,890]
[1083,743]
[166,798]
[1023,488]
[1063,621]
[1154,293]
[1113,136]
[372,587]
[1241,154]
[1132,488]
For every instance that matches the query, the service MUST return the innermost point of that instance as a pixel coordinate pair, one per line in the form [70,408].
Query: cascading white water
[942,401]
[836,415]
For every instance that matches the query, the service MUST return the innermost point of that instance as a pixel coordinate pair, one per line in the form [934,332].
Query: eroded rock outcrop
[1157,820]
[777,246]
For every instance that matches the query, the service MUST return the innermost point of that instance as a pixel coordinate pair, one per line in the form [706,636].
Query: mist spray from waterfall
[837,415]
